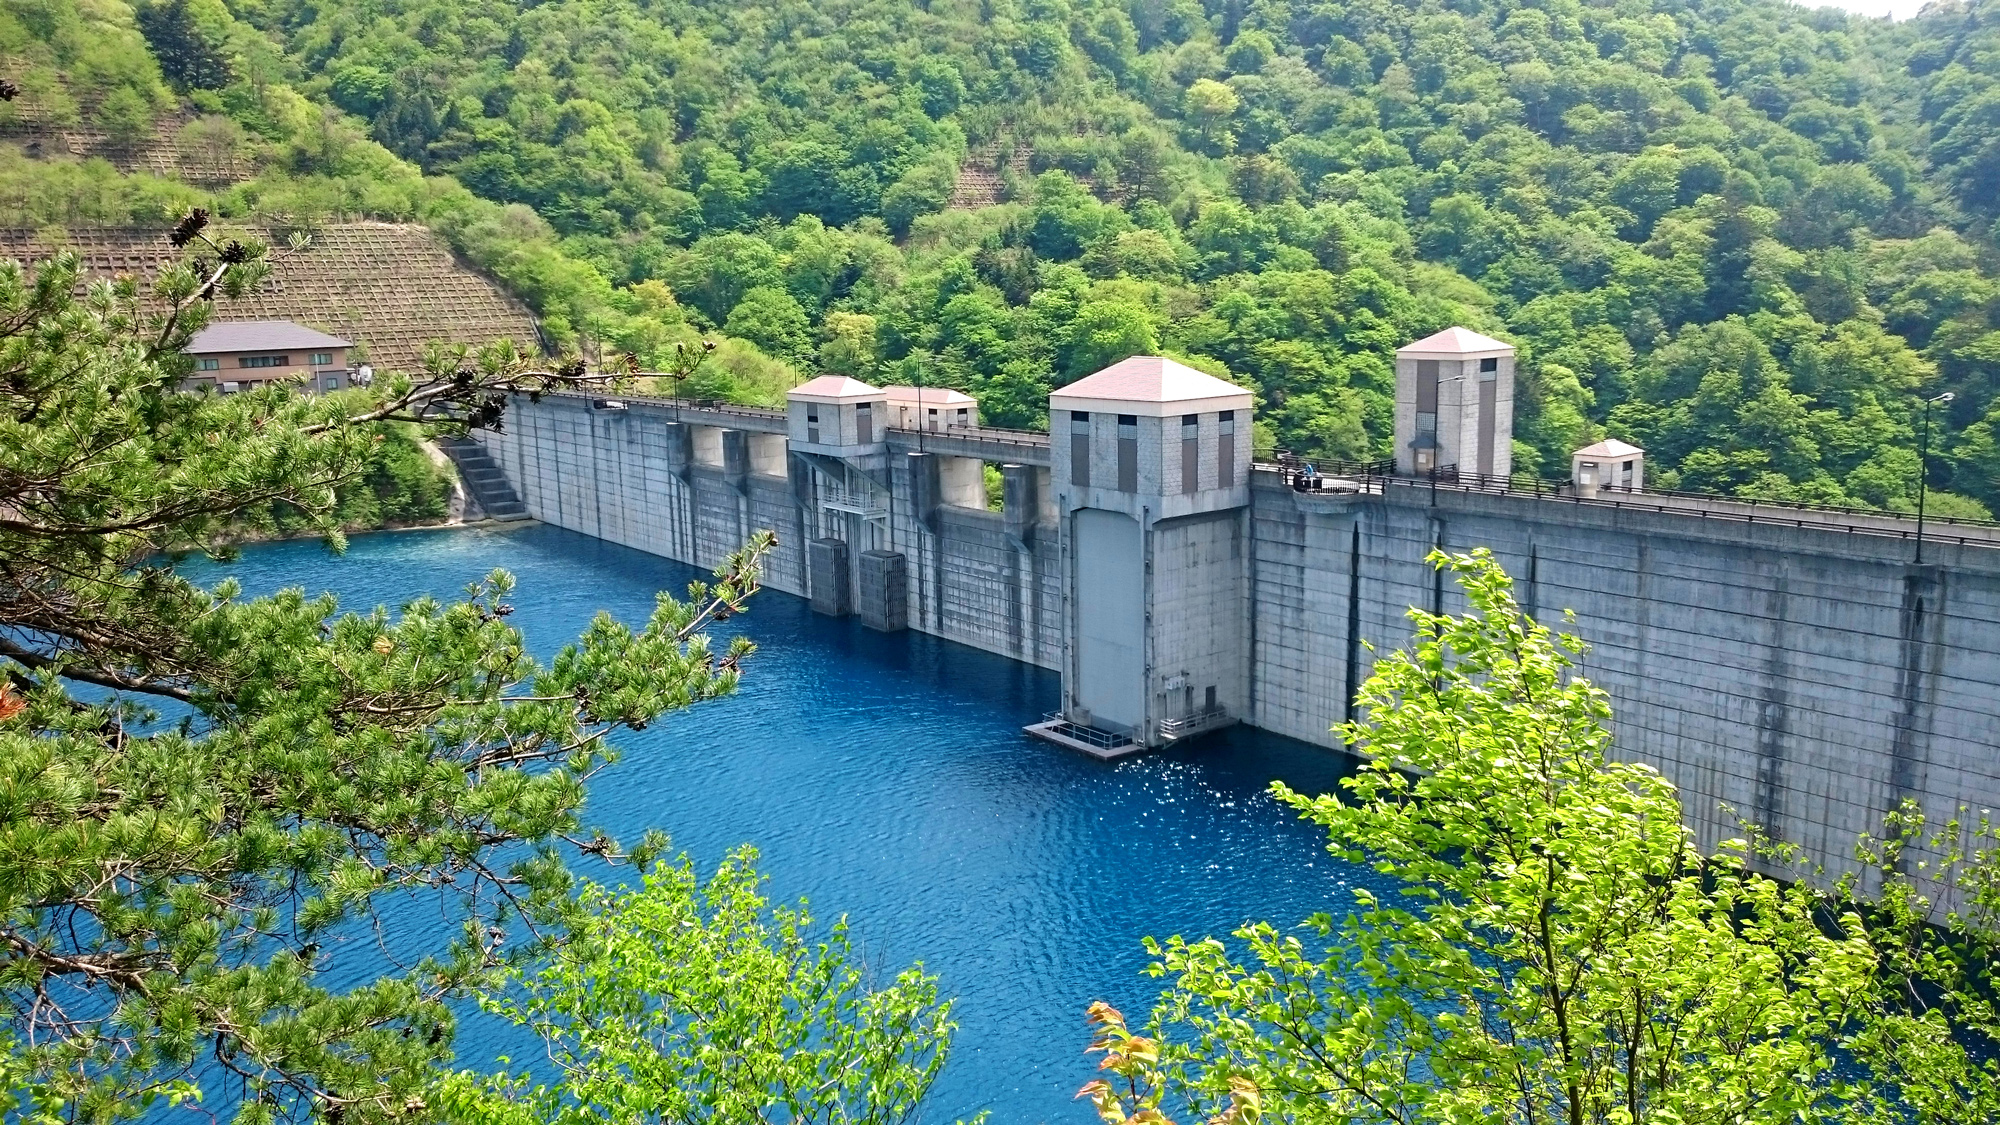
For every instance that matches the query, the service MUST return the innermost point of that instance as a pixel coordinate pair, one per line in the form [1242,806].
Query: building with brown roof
[240,355]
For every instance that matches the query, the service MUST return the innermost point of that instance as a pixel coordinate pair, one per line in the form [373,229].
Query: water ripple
[886,778]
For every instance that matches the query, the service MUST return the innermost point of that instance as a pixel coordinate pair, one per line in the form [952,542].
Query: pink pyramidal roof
[834,386]
[1149,378]
[1609,447]
[1455,341]
[932,396]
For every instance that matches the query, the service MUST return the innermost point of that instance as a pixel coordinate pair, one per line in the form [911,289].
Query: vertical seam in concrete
[1255,657]
[937,570]
[1144,735]
[1534,599]
[1017,626]
[1774,716]
[1352,678]
[1904,759]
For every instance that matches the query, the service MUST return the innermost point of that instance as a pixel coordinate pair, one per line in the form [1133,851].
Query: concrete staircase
[485,484]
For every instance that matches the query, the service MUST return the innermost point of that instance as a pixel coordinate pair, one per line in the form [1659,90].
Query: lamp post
[1924,468]
[921,420]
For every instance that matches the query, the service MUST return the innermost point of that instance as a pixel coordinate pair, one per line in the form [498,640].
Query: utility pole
[1924,468]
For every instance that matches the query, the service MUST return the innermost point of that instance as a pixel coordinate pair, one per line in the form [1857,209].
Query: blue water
[886,778]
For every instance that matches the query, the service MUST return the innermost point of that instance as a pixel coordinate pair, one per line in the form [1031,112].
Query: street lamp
[1924,468]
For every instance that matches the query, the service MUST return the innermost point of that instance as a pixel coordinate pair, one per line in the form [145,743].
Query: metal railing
[1207,718]
[1717,506]
[1027,439]
[1321,474]
[688,405]
[1102,739]
[862,503]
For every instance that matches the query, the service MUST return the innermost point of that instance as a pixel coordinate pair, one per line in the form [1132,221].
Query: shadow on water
[885,777]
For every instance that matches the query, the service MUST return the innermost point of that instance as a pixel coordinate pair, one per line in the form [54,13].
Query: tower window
[1079,448]
[1190,453]
[1225,449]
[1128,453]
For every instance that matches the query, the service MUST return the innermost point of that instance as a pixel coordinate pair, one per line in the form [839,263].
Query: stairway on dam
[485,483]
[1795,667]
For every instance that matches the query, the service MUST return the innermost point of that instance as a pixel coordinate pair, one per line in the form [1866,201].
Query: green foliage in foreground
[399,485]
[181,853]
[1560,951]
[688,1001]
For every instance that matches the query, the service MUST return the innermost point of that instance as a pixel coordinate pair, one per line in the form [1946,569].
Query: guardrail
[1026,439]
[690,405]
[1102,739]
[861,503]
[1716,506]
[1204,719]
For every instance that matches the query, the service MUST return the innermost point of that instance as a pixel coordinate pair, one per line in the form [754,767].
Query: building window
[812,423]
[1489,366]
[1079,448]
[1427,423]
[208,363]
[1225,449]
[264,361]
[1190,452]
[1128,453]
[321,359]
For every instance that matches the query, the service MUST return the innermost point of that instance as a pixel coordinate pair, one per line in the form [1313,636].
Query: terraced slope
[389,287]
[205,152]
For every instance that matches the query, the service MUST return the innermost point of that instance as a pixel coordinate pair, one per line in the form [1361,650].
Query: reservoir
[885,777]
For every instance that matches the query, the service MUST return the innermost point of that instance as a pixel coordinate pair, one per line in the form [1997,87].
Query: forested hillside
[1747,236]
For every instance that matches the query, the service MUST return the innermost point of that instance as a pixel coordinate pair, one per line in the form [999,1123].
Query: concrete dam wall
[1794,668]
[692,484]
[1807,677]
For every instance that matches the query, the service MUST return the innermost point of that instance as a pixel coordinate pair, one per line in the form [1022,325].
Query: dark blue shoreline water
[886,778]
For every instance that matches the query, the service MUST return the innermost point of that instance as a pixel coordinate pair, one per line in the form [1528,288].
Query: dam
[1804,669]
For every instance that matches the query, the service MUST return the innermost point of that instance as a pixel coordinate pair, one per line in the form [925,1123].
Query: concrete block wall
[970,575]
[973,576]
[1803,679]
[885,595]
[1199,609]
[829,561]
[612,474]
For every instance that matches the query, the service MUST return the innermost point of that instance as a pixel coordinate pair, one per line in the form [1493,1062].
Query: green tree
[682,1001]
[1105,332]
[1210,105]
[772,319]
[1559,950]
[168,884]
[187,58]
